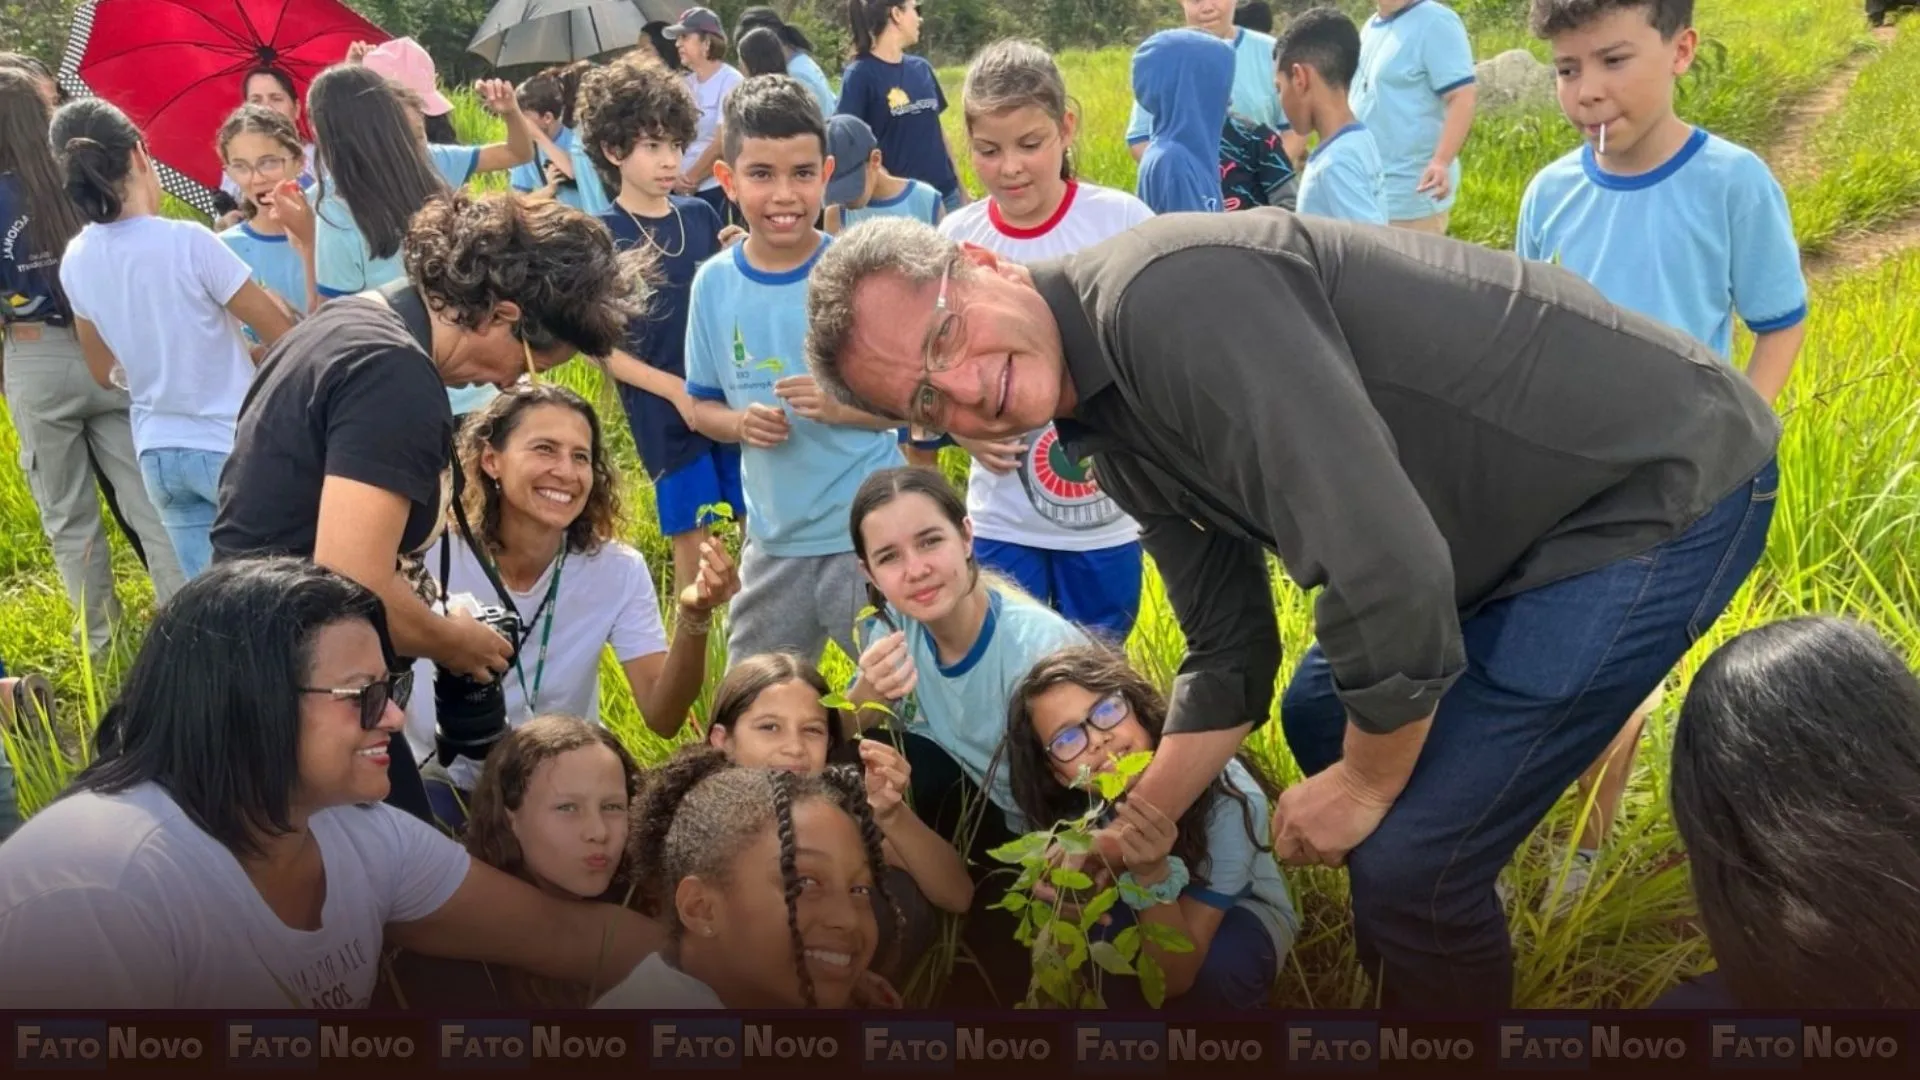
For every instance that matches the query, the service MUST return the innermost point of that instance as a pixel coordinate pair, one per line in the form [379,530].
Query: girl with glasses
[227,847]
[947,647]
[263,157]
[1211,874]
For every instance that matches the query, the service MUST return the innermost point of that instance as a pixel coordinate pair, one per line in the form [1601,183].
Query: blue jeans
[185,488]
[1552,674]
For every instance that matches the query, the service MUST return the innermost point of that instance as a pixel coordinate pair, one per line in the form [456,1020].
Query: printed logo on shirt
[900,105]
[323,984]
[1061,489]
[743,364]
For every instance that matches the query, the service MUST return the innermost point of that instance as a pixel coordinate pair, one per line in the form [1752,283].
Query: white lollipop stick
[1603,140]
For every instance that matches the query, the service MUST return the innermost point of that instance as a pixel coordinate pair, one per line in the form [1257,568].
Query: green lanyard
[546,635]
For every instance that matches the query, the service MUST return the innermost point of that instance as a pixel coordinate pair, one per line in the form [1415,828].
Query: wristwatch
[1164,891]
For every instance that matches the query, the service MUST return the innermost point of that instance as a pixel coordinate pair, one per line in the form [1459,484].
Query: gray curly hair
[887,245]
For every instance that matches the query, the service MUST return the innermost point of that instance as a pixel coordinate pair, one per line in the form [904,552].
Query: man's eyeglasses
[1107,713]
[928,407]
[266,166]
[372,697]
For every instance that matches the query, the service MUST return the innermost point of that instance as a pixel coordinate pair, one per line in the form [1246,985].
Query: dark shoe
[27,699]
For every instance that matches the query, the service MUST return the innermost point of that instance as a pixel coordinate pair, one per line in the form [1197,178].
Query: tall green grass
[1845,537]
[1866,155]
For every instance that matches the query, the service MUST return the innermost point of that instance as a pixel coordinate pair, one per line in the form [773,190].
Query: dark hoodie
[1184,80]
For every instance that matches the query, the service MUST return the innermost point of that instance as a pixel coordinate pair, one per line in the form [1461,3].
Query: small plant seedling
[720,522]
[1068,965]
[772,367]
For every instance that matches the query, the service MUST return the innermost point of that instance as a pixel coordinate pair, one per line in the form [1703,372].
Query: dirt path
[1793,157]
[1858,252]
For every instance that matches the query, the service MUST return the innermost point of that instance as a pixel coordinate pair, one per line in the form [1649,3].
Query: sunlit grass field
[1844,539]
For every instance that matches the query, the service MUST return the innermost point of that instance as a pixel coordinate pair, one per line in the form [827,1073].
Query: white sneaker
[1564,892]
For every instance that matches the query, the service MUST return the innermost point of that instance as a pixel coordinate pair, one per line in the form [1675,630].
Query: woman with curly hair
[747,865]
[543,501]
[345,434]
[552,808]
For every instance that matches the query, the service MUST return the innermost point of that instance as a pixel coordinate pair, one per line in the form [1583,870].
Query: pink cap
[405,62]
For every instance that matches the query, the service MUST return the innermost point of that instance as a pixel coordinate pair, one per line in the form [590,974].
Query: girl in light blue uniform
[262,150]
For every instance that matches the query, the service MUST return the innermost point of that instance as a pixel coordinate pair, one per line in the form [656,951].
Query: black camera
[472,715]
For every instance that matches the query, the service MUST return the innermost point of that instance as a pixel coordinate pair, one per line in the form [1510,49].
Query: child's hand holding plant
[763,427]
[716,582]
[1145,837]
[886,670]
[888,777]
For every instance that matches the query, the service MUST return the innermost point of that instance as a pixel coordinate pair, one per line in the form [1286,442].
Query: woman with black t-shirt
[345,435]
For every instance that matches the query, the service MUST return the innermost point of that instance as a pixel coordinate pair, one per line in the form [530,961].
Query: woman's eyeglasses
[372,697]
[1107,713]
[266,166]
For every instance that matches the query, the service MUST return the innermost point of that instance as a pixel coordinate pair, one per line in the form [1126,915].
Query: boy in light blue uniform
[804,454]
[862,187]
[1415,91]
[543,102]
[1313,66]
[1665,220]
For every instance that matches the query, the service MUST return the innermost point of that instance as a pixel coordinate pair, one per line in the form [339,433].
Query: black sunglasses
[372,697]
[1107,713]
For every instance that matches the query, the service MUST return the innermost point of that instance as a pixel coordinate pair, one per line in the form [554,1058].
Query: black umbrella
[520,32]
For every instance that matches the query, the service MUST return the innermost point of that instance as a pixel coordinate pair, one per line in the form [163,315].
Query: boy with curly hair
[635,122]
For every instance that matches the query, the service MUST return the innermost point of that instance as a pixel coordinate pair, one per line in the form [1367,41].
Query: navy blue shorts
[1099,590]
[713,477]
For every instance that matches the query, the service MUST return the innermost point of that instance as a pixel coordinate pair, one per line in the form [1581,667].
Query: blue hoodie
[1184,80]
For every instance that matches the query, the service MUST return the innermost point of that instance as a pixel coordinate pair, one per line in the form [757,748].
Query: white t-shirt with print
[1048,502]
[604,598]
[122,902]
[157,291]
[656,984]
[710,95]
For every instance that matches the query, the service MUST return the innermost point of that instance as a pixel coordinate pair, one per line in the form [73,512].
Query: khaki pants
[1437,224]
[63,416]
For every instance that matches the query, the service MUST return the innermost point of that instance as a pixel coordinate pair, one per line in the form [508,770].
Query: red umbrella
[175,66]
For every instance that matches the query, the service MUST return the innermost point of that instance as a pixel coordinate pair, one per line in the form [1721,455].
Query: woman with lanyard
[342,442]
[542,500]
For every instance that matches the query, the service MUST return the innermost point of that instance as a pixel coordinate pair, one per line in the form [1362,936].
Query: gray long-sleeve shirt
[1418,425]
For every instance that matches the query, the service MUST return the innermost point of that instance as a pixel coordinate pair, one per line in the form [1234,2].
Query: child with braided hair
[727,857]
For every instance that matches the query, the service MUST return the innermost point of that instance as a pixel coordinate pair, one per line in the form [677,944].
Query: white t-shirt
[710,96]
[122,902]
[1048,502]
[157,291]
[606,598]
[656,984]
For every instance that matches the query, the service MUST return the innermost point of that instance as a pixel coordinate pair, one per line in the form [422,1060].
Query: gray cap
[696,20]
[850,143]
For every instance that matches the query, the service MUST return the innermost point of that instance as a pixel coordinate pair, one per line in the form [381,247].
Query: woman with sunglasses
[344,437]
[1209,877]
[226,848]
[946,648]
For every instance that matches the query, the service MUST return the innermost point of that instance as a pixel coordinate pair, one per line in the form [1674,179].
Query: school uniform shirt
[122,902]
[1238,873]
[157,292]
[902,103]
[657,984]
[805,68]
[680,241]
[1409,62]
[532,175]
[1049,502]
[1343,179]
[276,264]
[29,266]
[347,392]
[711,96]
[747,330]
[919,201]
[1253,97]
[604,598]
[962,707]
[1693,243]
[345,265]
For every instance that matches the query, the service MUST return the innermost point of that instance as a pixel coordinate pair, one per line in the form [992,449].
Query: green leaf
[1108,959]
[1153,982]
[1097,907]
[868,612]
[1128,943]
[1055,983]
[1137,897]
[1012,901]
[1020,849]
[1091,999]
[1132,765]
[1111,785]
[1167,938]
[773,366]
[1069,935]
[1066,877]
[1074,842]
[836,700]
[875,706]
